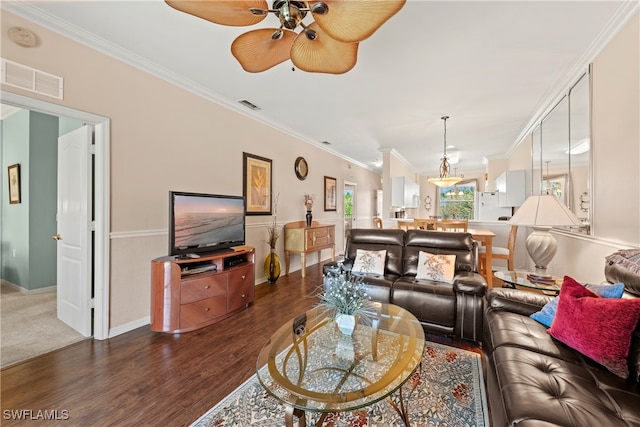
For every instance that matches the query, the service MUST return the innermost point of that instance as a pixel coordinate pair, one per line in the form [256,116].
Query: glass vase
[346,323]
[272,267]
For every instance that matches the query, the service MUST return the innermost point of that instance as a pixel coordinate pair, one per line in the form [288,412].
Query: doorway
[100,224]
[350,208]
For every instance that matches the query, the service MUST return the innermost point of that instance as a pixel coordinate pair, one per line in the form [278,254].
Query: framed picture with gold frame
[256,184]
[330,194]
[14,184]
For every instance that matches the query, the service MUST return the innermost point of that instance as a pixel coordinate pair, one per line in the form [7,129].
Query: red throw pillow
[599,328]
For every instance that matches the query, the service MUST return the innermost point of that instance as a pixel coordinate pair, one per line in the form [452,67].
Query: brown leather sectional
[453,309]
[534,380]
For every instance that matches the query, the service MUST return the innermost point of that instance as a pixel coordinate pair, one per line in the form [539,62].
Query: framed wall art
[256,182]
[14,183]
[330,193]
[556,185]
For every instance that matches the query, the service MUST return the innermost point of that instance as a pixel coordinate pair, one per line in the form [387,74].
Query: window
[458,202]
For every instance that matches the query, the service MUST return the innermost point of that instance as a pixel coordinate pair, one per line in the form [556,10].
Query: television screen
[204,222]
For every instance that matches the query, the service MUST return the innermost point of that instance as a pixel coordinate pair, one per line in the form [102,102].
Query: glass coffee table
[525,279]
[309,365]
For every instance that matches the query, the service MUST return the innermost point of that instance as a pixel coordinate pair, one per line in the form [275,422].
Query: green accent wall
[15,218]
[28,253]
[43,173]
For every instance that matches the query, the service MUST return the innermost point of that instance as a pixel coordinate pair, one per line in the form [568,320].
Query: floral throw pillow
[371,262]
[439,268]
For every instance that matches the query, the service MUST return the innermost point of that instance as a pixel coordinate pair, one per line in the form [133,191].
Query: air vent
[27,78]
[249,104]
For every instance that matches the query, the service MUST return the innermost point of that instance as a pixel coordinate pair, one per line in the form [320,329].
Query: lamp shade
[544,210]
[445,181]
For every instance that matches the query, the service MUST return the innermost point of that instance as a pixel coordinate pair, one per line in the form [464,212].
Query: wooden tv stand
[190,293]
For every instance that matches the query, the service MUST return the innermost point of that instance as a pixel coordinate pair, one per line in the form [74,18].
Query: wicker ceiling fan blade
[257,50]
[354,21]
[323,54]
[233,13]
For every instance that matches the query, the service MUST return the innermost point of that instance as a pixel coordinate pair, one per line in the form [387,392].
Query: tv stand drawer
[204,286]
[202,311]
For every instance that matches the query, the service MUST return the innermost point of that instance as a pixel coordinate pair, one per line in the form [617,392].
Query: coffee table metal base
[292,412]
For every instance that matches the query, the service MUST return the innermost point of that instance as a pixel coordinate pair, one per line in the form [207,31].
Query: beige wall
[166,138]
[521,157]
[616,137]
[494,168]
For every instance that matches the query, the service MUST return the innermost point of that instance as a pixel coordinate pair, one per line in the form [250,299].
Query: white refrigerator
[488,207]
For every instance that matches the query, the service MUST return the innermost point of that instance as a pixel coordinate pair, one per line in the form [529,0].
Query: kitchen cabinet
[404,192]
[512,188]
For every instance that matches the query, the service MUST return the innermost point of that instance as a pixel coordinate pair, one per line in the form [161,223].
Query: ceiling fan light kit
[327,45]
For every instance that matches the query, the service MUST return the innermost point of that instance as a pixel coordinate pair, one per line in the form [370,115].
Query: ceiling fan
[327,45]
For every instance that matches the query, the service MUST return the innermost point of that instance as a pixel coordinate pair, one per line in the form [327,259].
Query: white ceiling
[491,66]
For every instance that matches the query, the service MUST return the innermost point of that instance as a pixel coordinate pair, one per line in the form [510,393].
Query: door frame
[101,199]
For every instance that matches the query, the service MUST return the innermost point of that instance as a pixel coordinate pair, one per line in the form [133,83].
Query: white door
[74,229]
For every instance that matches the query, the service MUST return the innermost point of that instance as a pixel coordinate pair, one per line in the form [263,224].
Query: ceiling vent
[249,104]
[27,78]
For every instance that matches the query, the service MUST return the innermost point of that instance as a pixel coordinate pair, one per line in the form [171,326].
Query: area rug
[449,392]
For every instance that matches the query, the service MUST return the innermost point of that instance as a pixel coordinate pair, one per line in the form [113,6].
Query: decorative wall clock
[302,168]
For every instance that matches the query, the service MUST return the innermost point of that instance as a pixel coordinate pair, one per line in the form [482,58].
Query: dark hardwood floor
[143,378]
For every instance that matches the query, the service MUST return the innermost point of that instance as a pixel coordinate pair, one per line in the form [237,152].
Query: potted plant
[345,298]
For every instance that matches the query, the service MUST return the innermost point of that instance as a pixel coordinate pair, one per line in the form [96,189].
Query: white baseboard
[39,290]
[28,291]
[130,326]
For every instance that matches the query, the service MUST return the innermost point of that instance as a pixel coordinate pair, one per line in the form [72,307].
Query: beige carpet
[29,326]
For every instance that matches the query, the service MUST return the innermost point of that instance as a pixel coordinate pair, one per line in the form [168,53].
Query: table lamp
[541,213]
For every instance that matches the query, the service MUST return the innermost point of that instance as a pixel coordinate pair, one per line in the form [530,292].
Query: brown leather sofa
[534,380]
[445,308]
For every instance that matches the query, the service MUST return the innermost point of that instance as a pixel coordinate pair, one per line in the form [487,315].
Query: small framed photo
[330,193]
[14,183]
[256,184]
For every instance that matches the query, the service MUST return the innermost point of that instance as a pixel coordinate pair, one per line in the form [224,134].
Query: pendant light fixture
[445,180]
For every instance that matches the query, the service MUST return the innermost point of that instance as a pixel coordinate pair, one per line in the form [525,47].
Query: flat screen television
[201,223]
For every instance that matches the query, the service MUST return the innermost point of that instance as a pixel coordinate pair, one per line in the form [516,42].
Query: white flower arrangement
[346,294]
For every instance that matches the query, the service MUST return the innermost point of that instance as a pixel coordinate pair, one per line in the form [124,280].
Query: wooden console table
[300,239]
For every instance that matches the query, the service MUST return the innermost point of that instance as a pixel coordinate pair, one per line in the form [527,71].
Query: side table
[520,278]
[300,239]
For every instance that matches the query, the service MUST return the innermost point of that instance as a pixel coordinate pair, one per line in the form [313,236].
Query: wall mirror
[580,150]
[554,151]
[561,153]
